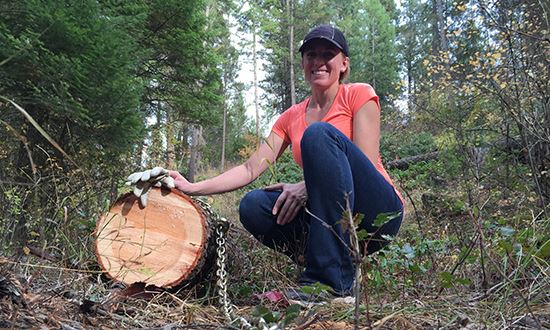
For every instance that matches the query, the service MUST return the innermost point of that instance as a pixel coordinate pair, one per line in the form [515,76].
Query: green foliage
[372,49]
[449,280]
[89,73]
[382,218]
[281,319]
[401,264]
[316,289]
[75,69]
[284,170]
[14,203]
[405,144]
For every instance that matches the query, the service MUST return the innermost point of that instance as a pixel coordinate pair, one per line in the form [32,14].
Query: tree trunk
[290,14]
[440,44]
[224,133]
[256,102]
[195,156]
[170,147]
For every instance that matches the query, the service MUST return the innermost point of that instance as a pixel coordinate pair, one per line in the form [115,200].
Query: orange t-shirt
[290,126]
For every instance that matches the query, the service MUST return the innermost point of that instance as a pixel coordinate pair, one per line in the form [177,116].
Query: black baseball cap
[329,33]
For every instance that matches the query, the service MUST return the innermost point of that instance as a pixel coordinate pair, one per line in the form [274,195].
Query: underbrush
[470,254]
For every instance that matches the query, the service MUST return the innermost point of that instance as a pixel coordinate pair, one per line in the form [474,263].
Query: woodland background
[120,86]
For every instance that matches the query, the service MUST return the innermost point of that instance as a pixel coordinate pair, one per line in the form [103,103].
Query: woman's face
[323,63]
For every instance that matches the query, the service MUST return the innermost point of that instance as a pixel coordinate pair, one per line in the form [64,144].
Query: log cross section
[159,245]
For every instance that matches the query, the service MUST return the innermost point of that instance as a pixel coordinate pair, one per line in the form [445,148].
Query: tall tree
[290,20]
[249,21]
[72,67]
[440,44]
[373,52]
[413,48]
[183,69]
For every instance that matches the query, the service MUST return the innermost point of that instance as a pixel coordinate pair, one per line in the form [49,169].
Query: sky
[246,73]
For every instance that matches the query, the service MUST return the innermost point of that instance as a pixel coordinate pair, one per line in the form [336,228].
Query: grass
[435,275]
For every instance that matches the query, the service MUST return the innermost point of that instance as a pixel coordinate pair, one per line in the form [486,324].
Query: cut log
[477,154]
[162,244]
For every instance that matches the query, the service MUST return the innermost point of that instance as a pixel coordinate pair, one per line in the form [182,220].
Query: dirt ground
[39,294]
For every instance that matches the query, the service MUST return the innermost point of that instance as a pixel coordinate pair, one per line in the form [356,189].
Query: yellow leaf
[26,250]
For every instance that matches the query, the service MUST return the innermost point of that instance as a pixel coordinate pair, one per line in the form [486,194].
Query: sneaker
[304,298]
[308,296]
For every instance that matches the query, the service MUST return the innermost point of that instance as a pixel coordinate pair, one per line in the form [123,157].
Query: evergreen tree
[413,48]
[71,66]
[183,75]
[372,47]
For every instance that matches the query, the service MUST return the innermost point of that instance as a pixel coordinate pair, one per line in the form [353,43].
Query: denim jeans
[335,171]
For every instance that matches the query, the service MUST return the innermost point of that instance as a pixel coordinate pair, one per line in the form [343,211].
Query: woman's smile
[319,72]
[322,63]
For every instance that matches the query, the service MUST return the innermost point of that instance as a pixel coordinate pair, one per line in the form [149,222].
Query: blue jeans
[335,170]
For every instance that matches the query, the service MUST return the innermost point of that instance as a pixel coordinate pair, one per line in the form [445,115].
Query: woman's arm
[366,130]
[238,176]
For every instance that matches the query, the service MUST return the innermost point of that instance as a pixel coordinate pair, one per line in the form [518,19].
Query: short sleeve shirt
[291,124]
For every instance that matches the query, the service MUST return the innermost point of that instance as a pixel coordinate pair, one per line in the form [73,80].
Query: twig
[309,322]
[7,261]
[525,301]
[41,253]
[356,257]
[420,229]
[329,227]
[461,261]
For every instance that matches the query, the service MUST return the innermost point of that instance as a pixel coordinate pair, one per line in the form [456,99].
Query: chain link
[221,272]
[221,229]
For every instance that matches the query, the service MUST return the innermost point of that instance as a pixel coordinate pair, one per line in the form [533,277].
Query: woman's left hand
[293,197]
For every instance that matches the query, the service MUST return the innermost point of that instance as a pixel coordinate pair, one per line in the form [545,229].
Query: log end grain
[159,245]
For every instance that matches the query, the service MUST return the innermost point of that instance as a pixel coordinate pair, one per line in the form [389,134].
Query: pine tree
[373,53]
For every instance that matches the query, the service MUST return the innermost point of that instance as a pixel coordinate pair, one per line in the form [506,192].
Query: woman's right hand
[292,199]
[181,182]
[143,181]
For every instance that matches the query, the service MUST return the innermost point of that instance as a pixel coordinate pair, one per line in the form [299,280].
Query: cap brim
[305,44]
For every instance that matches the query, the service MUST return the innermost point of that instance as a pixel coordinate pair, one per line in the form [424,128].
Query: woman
[335,137]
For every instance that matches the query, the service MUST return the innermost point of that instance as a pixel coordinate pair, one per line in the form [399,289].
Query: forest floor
[40,293]
[58,297]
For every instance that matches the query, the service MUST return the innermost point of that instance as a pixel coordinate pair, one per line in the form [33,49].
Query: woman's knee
[249,205]
[315,132]
[316,139]
[252,212]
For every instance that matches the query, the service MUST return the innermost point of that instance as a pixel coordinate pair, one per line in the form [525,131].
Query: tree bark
[195,156]
[290,14]
[255,64]
[170,147]
[404,163]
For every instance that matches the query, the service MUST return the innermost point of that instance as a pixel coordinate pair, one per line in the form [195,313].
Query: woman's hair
[344,76]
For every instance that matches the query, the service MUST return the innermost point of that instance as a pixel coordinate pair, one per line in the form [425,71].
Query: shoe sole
[336,301]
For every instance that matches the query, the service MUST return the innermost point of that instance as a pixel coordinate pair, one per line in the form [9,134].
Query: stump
[163,244]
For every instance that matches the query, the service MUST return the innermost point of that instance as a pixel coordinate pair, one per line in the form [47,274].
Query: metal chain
[221,272]
[222,227]
[221,230]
